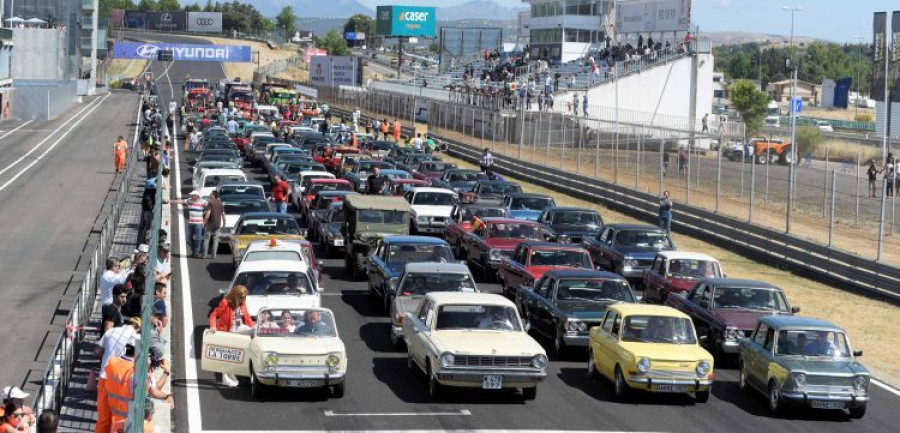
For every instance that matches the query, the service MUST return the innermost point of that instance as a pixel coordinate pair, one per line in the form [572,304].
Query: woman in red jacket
[228,317]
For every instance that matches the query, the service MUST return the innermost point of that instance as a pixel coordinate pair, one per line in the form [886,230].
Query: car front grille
[829,381]
[491,361]
[644,263]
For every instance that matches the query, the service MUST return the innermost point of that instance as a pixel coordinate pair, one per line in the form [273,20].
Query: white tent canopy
[15,20]
[35,21]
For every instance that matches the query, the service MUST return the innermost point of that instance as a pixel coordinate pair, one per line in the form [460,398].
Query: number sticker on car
[305,383]
[492,382]
[671,388]
[827,404]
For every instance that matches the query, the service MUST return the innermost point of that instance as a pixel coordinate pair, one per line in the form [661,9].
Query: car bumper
[730,347]
[811,398]
[634,271]
[433,228]
[300,380]
[474,378]
[577,340]
[654,384]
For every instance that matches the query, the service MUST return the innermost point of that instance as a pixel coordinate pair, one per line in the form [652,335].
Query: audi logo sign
[204,22]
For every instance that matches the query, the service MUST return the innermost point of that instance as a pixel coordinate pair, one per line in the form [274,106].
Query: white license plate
[492,382]
[827,404]
[304,383]
[671,388]
[338,242]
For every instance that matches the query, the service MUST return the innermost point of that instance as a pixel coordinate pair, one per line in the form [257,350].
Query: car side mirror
[795,310]
[857,353]
[639,298]
[703,338]
[528,326]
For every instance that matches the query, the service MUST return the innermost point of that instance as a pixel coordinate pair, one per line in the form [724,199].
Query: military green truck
[368,218]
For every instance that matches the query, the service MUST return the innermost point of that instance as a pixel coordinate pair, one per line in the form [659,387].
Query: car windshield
[477,317]
[217,157]
[274,283]
[211,181]
[531,203]
[643,238]
[466,176]
[261,256]
[438,166]
[514,230]
[337,215]
[500,188]
[295,323]
[324,202]
[482,212]
[401,254]
[241,189]
[316,176]
[395,174]
[812,342]
[434,199]
[329,187]
[420,284]
[593,290]
[373,216]
[269,226]
[750,299]
[659,329]
[589,219]
[240,207]
[560,257]
[694,268]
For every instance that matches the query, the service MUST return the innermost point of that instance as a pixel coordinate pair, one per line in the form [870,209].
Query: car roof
[315,172]
[393,171]
[433,189]
[272,265]
[569,208]
[450,268]
[676,255]
[336,193]
[329,180]
[504,220]
[358,201]
[242,183]
[582,273]
[740,282]
[221,171]
[460,298]
[277,215]
[633,227]
[784,321]
[527,195]
[544,244]
[407,239]
[647,309]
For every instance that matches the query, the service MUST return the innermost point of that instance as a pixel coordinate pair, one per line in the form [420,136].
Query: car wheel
[592,367]
[620,386]
[762,158]
[786,157]
[742,381]
[337,391]
[529,393]
[702,396]
[559,345]
[396,340]
[256,388]
[386,301]
[858,412]
[359,266]
[774,398]
[435,389]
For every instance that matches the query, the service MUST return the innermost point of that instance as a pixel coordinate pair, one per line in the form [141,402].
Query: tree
[334,43]
[240,17]
[209,6]
[808,139]
[193,8]
[147,5]
[360,23]
[287,20]
[107,6]
[168,5]
[748,100]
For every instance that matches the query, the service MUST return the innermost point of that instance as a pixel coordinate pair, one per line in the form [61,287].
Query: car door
[421,332]
[600,250]
[226,352]
[753,357]
[655,279]
[698,308]
[510,271]
[377,267]
[603,346]
[526,299]
[474,240]
[544,311]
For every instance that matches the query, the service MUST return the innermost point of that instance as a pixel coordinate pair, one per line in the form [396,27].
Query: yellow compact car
[651,348]
[255,226]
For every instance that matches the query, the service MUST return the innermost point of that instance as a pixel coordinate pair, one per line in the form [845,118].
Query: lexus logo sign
[205,21]
[166,17]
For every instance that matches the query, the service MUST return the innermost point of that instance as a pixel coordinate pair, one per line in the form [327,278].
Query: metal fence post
[881,219]
[687,175]
[831,219]
[562,145]
[637,160]
[549,129]
[578,157]
[752,189]
[719,174]
[858,167]
[597,153]
[537,128]
[662,164]
[825,182]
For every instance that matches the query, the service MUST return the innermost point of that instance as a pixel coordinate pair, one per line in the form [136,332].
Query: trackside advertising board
[334,70]
[641,16]
[409,21]
[182,52]
[204,22]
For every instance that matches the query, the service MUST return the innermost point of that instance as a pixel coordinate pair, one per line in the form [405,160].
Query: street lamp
[859,43]
[793,67]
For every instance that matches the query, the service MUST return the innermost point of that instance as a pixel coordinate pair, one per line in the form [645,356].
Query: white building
[583,22]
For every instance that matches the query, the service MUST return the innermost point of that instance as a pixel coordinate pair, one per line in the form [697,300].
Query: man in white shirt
[110,278]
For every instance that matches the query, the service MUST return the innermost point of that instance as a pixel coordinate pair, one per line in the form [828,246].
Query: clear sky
[835,20]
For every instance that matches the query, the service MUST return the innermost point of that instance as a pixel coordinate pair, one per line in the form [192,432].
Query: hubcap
[773,397]
[590,363]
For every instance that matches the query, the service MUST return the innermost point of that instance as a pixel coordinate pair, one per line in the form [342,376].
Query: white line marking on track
[52,146]
[463,412]
[49,136]
[15,129]
[886,387]
[417,431]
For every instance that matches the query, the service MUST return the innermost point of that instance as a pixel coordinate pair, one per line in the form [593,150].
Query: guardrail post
[580,148]
[537,128]
[831,219]
[858,168]
[881,220]
[752,189]
[562,146]
[719,173]
[549,130]
[637,159]
[825,181]
[662,164]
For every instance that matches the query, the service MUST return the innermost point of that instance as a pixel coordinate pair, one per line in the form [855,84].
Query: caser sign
[414,16]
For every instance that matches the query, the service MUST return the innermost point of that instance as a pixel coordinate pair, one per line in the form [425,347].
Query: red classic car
[314,186]
[531,260]
[677,272]
[493,238]
[462,220]
[432,170]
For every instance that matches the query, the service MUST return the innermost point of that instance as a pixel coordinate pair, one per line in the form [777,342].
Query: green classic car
[804,361]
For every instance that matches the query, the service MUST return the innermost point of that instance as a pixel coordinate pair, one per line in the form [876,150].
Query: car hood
[425,210]
[256,302]
[682,284]
[816,366]
[741,319]
[583,310]
[299,345]
[639,252]
[539,271]
[503,243]
[667,352]
[530,215]
[574,229]
[231,220]
[462,186]
[484,342]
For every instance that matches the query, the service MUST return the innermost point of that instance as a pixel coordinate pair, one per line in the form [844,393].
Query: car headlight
[732,333]
[271,359]
[563,239]
[703,368]
[630,263]
[422,219]
[447,359]
[576,326]
[643,364]
[539,361]
[860,382]
[495,255]
[333,361]
[799,380]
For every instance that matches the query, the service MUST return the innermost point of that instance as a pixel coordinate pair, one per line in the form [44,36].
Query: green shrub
[863,117]
[809,138]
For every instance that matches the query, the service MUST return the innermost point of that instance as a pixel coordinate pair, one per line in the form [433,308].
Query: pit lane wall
[43,99]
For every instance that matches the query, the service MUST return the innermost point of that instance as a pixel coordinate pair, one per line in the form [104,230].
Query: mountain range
[475,9]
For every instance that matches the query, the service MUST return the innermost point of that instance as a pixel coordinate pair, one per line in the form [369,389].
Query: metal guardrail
[829,265]
[59,369]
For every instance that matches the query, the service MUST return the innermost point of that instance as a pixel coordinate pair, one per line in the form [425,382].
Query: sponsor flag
[879,56]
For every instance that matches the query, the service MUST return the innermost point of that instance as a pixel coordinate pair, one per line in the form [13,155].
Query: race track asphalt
[54,179]
[383,395]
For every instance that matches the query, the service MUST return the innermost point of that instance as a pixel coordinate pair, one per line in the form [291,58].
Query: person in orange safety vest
[121,150]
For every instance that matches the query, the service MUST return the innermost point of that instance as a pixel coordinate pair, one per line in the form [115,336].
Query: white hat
[143,248]
[14,392]
[195,192]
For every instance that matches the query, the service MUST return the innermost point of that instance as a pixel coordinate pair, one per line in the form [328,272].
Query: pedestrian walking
[665,213]
[890,175]
[575,104]
[230,316]
[281,194]
[705,123]
[584,105]
[397,129]
[120,150]
[486,162]
[682,160]
[213,221]
[872,172]
[196,207]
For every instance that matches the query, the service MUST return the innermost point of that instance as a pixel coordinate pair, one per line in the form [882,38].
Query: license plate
[827,404]
[338,242]
[671,388]
[304,383]
[492,382]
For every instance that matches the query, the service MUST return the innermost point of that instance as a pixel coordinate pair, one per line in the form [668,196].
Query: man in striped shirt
[487,160]
[196,206]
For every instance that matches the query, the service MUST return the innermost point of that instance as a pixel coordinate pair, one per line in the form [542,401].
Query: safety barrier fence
[59,369]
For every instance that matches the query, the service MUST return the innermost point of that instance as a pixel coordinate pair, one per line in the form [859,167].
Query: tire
[742,377]
[786,157]
[774,398]
[762,158]
[702,396]
[386,303]
[529,393]
[620,387]
[396,341]
[858,412]
[592,372]
[359,266]
[256,388]
[559,346]
[337,391]
[435,389]
[773,156]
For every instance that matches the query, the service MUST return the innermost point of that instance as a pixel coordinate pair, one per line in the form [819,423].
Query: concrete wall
[39,54]
[43,99]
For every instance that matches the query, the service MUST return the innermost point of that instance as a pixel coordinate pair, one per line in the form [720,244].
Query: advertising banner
[117,18]
[182,52]
[413,21]
[315,52]
[135,19]
[895,59]
[166,21]
[334,70]
[879,56]
[644,16]
[204,22]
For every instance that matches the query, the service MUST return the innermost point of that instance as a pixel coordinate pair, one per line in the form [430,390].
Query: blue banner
[182,52]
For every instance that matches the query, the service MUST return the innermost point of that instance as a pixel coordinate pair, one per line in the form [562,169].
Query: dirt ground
[266,56]
[836,113]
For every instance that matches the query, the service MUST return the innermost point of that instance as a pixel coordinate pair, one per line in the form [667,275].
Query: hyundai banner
[204,22]
[182,52]
[166,21]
